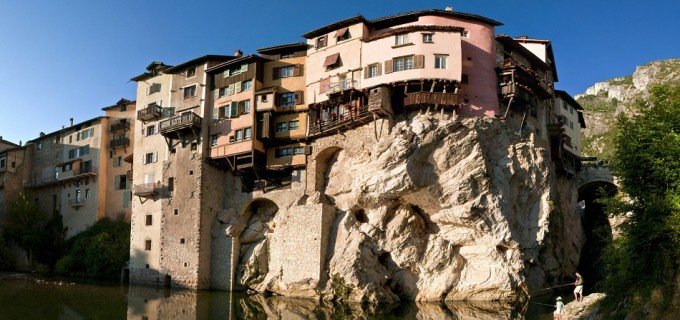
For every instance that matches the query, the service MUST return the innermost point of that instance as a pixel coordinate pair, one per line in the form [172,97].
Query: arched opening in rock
[325,171]
[360,216]
[597,229]
[253,262]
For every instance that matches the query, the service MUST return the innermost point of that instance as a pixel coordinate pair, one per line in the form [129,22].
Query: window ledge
[402,45]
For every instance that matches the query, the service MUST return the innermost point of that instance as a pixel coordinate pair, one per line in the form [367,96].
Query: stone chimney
[71,120]
[449,8]
[238,53]
[42,134]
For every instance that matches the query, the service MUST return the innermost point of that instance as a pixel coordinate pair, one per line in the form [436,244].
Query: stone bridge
[595,171]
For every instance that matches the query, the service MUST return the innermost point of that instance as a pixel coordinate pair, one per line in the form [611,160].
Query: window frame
[192,88]
[438,58]
[431,37]
[404,39]
[193,72]
[406,59]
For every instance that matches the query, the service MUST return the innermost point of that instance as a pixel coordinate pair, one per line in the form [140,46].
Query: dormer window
[321,41]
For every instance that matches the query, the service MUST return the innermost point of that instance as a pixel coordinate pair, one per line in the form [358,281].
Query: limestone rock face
[585,309]
[441,209]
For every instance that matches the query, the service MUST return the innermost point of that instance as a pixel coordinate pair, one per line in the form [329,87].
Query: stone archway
[253,241]
[597,229]
[324,169]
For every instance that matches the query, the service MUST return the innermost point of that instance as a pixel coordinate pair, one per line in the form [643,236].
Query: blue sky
[61,59]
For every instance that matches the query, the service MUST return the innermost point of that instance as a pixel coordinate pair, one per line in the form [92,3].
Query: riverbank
[585,309]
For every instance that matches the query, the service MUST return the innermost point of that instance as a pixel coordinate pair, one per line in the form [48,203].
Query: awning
[129,158]
[341,32]
[331,60]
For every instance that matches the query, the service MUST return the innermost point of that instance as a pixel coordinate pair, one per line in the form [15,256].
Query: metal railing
[151,112]
[120,142]
[180,122]
[341,85]
[120,126]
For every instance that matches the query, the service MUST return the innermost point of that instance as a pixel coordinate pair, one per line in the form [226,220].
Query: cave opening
[361,216]
[597,230]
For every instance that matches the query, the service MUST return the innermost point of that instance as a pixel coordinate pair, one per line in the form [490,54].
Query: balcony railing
[343,120]
[431,98]
[146,189]
[41,182]
[341,86]
[84,170]
[184,121]
[120,126]
[150,113]
[120,142]
[78,202]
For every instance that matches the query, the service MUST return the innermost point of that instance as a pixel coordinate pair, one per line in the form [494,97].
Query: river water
[35,298]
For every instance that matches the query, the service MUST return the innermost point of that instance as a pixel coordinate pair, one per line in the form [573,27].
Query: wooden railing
[440,98]
[146,189]
[151,112]
[347,118]
[41,182]
[186,120]
[120,142]
[120,126]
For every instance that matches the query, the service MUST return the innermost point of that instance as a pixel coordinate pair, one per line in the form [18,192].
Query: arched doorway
[253,261]
[597,230]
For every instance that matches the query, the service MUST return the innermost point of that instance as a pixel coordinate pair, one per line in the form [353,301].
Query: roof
[387,21]
[566,96]
[513,45]
[12,144]
[121,102]
[247,58]
[152,70]
[199,60]
[548,48]
[284,47]
[67,128]
[335,26]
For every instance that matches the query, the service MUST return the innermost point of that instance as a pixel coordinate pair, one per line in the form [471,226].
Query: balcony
[431,98]
[120,143]
[326,125]
[41,182]
[147,189]
[341,86]
[187,120]
[120,126]
[516,76]
[76,203]
[128,174]
[151,112]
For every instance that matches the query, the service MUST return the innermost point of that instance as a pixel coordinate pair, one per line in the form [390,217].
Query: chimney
[71,120]
[238,53]
[20,143]
[449,8]
[42,134]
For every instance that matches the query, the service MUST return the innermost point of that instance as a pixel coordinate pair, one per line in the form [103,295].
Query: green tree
[643,261]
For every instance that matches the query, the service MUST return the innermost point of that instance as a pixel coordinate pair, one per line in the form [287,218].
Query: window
[281,127]
[84,134]
[342,34]
[247,133]
[149,219]
[191,72]
[149,158]
[39,145]
[235,70]
[117,161]
[213,140]
[246,85]
[287,99]
[298,150]
[243,107]
[122,182]
[194,146]
[287,55]
[147,245]
[283,152]
[155,87]
[428,38]
[403,63]
[176,212]
[401,39]
[286,72]
[79,152]
[171,184]
[190,92]
[321,42]
[150,130]
[373,70]
[440,61]
[264,97]
[239,135]
[67,167]
[87,193]
[293,125]
[182,241]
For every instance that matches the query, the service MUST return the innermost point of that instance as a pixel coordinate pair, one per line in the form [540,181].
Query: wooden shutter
[299,97]
[238,86]
[234,109]
[266,126]
[308,150]
[275,73]
[144,159]
[226,73]
[216,114]
[244,68]
[379,67]
[388,66]
[323,85]
[241,107]
[155,157]
[419,61]
[216,94]
[297,70]
[366,71]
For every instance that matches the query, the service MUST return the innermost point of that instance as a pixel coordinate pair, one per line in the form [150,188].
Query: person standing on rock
[559,305]
[578,291]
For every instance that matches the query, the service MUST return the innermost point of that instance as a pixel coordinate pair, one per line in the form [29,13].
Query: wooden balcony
[79,174]
[42,182]
[76,203]
[186,121]
[151,112]
[516,76]
[120,126]
[340,86]
[147,189]
[431,98]
[120,143]
[341,122]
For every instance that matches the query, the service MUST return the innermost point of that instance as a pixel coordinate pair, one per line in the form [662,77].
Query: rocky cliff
[429,208]
[605,100]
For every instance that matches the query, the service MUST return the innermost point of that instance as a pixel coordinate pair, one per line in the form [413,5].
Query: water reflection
[31,299]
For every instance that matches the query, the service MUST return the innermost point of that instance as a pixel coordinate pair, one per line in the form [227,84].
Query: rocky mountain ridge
[604,101]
